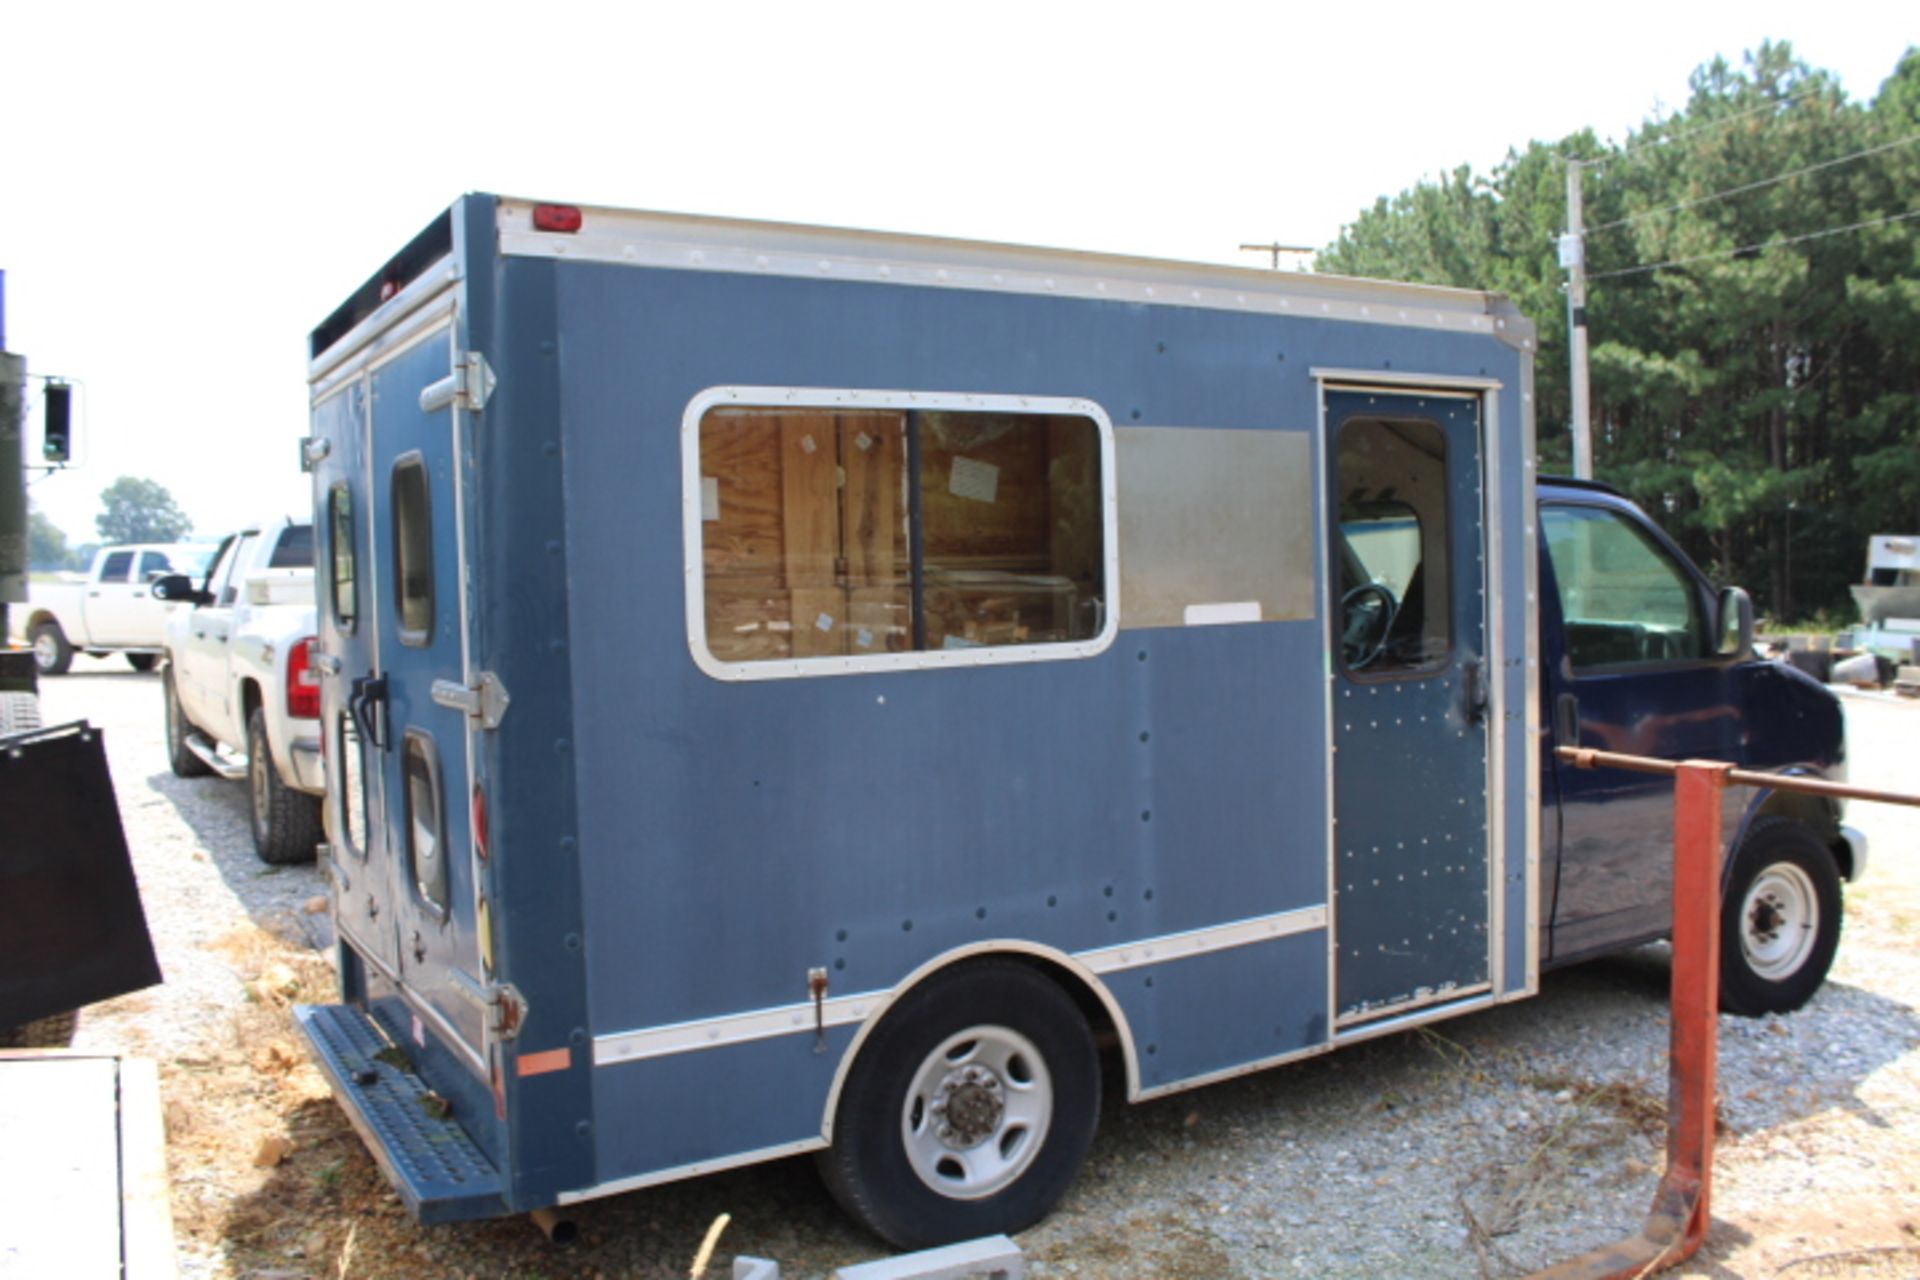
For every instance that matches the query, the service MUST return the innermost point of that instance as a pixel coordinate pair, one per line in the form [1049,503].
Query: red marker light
[556,217]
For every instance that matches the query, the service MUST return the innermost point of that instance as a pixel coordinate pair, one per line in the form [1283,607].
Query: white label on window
[824,622]
[979,481]
[958,642]
[864,638]
[1213,615]
[863,442]
[807,445]
[709,497]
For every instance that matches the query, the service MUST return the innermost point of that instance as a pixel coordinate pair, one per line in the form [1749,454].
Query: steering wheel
[1367,614]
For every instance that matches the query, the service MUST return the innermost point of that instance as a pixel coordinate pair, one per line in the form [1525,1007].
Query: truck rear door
[390,509]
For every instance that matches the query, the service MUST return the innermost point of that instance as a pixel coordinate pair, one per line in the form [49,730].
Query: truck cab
[1640,654]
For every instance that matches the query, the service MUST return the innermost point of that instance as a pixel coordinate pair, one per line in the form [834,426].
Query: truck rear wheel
[1780,920]
[969,1111]
[52,653]
[286,823]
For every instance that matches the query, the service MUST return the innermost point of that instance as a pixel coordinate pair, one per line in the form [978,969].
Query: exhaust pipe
[555,1226]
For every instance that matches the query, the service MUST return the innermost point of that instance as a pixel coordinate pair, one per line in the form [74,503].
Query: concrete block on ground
[988,1258]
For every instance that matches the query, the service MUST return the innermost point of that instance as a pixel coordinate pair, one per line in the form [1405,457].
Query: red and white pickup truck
[113,610]
[242,698]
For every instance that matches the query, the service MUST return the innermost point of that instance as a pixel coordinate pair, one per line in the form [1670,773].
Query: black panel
[71,928]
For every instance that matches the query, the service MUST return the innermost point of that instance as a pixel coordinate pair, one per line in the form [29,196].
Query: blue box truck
[791,690]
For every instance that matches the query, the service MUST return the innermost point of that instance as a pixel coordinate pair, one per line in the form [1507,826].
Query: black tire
[54,1032]
[52,654]
[142,661]
[184,763]
[996,1032]
[1780,921]
[286,823]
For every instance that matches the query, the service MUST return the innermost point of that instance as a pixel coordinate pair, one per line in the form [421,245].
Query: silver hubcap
[1779,921]
[45,651]
[977,1112]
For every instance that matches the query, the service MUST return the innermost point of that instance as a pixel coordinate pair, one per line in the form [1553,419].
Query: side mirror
[1736,623]
[179,588]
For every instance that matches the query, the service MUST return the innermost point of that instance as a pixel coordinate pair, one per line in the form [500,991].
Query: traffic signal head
[57,440]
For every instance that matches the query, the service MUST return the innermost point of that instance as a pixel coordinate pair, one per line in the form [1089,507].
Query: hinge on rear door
[505,1008]
[484,700]
[467,387]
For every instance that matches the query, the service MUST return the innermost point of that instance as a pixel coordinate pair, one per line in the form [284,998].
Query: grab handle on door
[1566,720]
[367,692]
[1474,682]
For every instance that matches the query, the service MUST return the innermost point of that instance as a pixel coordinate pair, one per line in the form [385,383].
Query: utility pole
[1573,257]
[1276,249]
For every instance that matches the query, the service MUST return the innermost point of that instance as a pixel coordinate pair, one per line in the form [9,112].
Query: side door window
[1623,599]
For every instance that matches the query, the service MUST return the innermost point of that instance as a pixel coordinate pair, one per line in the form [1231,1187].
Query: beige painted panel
[1211,517]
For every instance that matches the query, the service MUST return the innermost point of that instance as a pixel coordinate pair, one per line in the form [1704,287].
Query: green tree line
[1757,392]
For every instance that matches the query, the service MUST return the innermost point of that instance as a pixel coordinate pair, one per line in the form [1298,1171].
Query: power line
[1753,186]
[1761,247]
[1706,127]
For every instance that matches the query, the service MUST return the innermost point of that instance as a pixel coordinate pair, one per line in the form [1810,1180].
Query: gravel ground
[1486,1146]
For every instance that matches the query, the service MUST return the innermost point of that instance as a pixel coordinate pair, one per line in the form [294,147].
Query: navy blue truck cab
[794,690]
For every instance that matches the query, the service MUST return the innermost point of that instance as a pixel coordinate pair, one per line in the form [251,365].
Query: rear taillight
[303,682]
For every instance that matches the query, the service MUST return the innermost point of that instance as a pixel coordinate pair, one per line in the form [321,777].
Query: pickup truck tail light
[303,682]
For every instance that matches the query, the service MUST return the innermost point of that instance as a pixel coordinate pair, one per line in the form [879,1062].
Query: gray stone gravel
[1489,1145]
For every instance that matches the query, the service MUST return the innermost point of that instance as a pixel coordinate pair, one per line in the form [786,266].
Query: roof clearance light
[556,217]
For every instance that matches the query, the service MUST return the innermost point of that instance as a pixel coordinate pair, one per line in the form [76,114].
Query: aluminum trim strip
[690,243]
[1493,513]
[799,1018]
[695,1170]
[1419,1017]
[442,275]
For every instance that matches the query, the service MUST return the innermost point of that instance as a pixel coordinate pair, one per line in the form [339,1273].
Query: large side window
[226,587]
[1623,598]
[1394,603]
[294,550]
[830,533]
[340,557]
[412,550]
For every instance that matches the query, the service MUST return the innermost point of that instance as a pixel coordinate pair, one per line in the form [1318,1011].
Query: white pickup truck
[242,696]
[113,610]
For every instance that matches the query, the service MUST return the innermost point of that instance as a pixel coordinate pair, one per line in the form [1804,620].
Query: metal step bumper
[441,1175]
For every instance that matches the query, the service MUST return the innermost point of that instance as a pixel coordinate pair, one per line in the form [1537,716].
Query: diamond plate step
[437,1169]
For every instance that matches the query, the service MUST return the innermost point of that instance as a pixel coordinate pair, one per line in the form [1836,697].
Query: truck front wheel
[286,823]
[180,757]
[1780,920]
[52,653]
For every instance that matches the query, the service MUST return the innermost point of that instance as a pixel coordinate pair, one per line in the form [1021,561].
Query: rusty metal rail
[1676,1225]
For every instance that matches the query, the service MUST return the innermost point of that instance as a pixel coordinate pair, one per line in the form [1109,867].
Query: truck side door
[1631,667]
[209,635]
[103,609]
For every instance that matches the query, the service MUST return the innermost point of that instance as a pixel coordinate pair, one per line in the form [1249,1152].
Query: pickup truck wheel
[54,1032]
[184,762]
[142,661]
[286,823]
[969,1110]
[1780,921]
[52,654]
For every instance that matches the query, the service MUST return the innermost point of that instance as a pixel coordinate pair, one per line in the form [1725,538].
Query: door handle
[1474,684]
[1566,720]
[368,692]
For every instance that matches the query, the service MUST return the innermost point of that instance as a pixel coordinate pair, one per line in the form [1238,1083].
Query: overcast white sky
[191,187]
